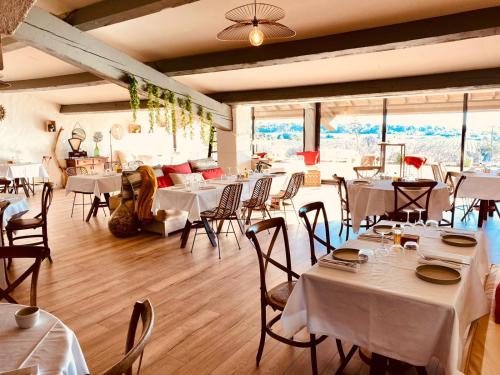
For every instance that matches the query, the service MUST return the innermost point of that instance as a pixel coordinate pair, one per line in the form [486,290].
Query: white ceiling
[191,29]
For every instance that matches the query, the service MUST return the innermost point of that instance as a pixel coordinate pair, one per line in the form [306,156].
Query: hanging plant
[135,101]
[157,92]
[173,111]
[203,124]
[166,109]
[151,106]
[181,103]
[211,136]
[190,118]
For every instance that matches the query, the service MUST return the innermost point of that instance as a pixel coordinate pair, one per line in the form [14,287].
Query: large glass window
[279,132]
[430,126]
[483,130]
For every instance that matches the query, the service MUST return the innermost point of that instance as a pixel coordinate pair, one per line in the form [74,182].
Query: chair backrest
[3,207]
[229,201]
[366,171]
[408,195]
[315,209]
[135,350]
[294,184]
[275,225]
[451,180]
[260,193]
[437,172]
[74,171]
[47,195]
[342,191]
[38,253]
[4,185]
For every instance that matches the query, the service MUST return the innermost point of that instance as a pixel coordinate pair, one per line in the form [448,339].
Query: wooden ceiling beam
[460,26]
[442,82]
[108,12]
[57,38]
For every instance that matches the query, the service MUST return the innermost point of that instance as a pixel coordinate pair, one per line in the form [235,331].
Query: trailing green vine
[166,109]
[181,103]
[190,118]
[173,111]
[211,136]
[135,101]
[151,106]
[203,124]
[157,92]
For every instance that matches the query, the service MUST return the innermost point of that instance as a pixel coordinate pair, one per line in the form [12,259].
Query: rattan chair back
[296,181]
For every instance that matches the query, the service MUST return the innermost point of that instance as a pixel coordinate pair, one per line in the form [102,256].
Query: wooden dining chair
[404,199]
[366,171]
[277,297]
[14,226]
[38,254]
[292,189]
[227,210]
[134,351]
[3,207]
[314,209]
[456,179]
[75,171]
[257,201]
[5,186]
[345,212]
[437,172]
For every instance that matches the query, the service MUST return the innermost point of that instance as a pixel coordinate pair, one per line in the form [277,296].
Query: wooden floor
[207,310]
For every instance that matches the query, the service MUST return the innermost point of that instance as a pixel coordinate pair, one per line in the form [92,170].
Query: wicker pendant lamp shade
[255,22]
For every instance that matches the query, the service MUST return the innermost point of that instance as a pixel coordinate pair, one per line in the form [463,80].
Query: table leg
[93,207]
[491,208]
[483,212]
[210,232]
[185,234]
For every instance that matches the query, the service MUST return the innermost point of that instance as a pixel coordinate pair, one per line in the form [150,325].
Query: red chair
[415,161]
[310,157]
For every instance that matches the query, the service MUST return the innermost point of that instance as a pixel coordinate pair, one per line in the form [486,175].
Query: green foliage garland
[203,124]
[190,119]
[211,137]
[151,106]
[166,109]
[157,92]
[173,111]
[135,101]
[181,103]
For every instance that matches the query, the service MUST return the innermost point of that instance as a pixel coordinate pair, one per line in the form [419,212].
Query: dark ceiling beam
[443,82]
[108,12]
[473,24]
[59,39]
[464,80]
[68,81]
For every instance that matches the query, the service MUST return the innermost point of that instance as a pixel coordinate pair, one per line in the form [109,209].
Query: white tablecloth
[378,198]
[96,184]
[50,345]
[17,204]
[23,170]
[480,186]
[388,310]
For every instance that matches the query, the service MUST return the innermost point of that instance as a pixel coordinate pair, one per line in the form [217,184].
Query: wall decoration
[78,132]
[134,128]
[3,113]
[50,126]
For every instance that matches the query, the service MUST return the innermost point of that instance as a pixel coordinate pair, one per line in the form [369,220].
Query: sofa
[169,175]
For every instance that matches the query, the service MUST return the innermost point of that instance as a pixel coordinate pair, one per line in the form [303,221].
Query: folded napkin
[361,181]
[328,261]
[462,232]
[455,266]
[447,257]
[372,236]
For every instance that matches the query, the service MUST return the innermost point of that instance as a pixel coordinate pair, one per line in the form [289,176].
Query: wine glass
[383,251]
[408,212]
[432,223]
[420,222]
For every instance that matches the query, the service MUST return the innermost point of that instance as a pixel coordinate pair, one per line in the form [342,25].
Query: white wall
[23,136]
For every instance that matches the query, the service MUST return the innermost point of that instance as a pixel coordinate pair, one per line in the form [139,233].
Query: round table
[17,204]
[50,345]
[377,198]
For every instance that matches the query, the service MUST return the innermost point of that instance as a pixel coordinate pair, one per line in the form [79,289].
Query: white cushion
[185,178]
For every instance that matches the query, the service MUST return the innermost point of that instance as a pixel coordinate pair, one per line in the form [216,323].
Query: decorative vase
[96,150]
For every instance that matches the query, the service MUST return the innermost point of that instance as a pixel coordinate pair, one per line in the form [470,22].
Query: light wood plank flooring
[207,310]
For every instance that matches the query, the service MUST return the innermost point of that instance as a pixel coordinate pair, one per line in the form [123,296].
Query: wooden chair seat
[278,295]
[481,357]
[19,224]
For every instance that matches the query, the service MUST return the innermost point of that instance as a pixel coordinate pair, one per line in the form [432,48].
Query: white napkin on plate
[440,263]
[328,261]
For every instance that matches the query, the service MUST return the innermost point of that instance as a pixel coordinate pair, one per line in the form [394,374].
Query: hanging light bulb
[256,36]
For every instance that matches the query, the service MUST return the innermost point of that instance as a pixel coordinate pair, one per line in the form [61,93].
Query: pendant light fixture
[255,22]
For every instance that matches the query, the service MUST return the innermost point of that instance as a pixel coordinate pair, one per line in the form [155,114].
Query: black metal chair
[75,171]
[257,201]
[23,252]
[315,209]
[345,212]
[226,210]
[134,351]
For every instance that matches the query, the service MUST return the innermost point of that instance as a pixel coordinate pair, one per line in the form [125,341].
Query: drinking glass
[397,231]
[411,246]
[408,212]
[383,251]
[432,224]
[420,222]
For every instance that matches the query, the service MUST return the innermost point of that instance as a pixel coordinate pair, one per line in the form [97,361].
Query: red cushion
[183,168]
[310,157]
[212,173]
[164,181]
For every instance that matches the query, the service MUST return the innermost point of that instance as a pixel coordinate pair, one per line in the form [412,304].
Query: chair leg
[262,332]
[234,232]
[194,238]
[83,207]
[314,362]
[295,211]
[340,349]
[248,217]
[73,206]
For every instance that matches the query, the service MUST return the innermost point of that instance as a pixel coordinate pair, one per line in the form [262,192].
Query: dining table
[23,172]
[375,197]
[205,196]
[484,187]
[96,184]
[386,309]
[50,346]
